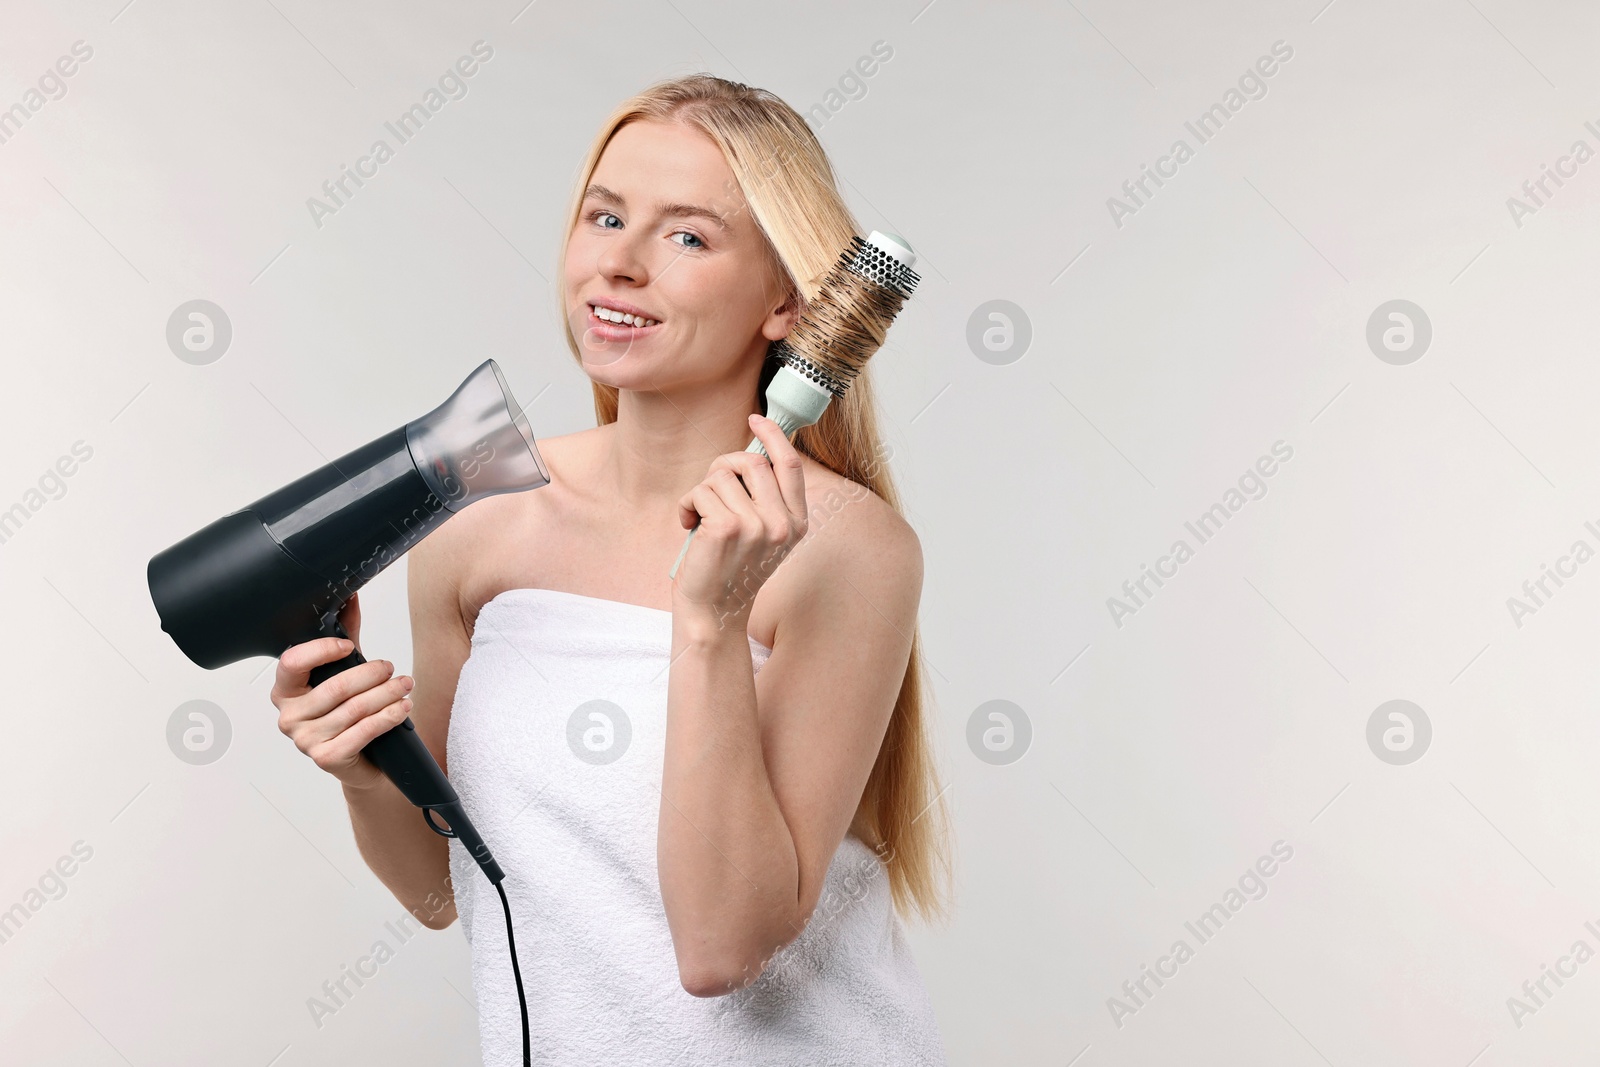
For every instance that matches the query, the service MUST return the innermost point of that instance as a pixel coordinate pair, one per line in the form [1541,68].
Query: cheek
[580,258]
[732,303]
[573,276]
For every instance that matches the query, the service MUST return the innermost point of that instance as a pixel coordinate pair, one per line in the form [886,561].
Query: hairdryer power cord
[516,972]
[491,870]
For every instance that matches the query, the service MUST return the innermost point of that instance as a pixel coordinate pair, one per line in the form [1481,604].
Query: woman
[711,794]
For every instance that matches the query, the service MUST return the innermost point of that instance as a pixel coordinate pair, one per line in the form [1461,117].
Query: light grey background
[1168,353]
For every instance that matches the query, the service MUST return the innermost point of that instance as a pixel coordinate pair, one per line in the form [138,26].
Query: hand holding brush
[831,343]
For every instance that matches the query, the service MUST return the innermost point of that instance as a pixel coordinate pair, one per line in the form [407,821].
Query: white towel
[576,837]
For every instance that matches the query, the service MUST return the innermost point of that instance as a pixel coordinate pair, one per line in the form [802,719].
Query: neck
[662,442]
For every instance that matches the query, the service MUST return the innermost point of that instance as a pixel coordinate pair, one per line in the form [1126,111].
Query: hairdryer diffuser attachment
[476,444]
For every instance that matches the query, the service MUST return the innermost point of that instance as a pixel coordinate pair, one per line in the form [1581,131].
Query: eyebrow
[672,210]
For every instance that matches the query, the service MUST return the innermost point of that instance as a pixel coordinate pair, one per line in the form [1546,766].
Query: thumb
[350,619]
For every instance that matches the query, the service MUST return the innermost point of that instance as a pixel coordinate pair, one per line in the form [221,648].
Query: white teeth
[616,316]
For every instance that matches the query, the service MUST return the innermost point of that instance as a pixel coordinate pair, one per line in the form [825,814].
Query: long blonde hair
[788,183]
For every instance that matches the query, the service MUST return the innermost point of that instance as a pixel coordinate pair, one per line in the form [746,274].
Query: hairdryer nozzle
[477,443]
[277,572]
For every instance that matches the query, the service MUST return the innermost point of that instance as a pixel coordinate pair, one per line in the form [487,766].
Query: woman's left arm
[763,773]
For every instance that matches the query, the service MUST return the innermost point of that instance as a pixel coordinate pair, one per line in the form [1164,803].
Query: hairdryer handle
[400,754]
[328,670]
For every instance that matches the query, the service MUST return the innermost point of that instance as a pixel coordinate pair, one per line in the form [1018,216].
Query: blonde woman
[713,796]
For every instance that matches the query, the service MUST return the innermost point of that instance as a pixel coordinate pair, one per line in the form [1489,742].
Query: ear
[781,319]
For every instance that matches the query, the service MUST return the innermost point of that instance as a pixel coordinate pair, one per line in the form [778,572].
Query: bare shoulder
[490,546]
[854,541]
[847,517]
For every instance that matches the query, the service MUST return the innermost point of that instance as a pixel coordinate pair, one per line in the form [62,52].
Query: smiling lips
[613,325]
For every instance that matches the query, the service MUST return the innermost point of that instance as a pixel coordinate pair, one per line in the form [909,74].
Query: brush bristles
[802,366]
[849,319]
[876,265]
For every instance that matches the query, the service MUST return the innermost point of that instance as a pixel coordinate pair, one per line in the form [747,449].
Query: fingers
[343,748]
[704,504]
[294,666]
[358,707]
[759,483]
[718,493]
[724,482]
[688,515]
[759,503]
[350,618]
[332,692]
[786,463]
[748,488]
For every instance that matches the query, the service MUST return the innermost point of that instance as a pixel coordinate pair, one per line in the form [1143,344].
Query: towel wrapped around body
[556,745]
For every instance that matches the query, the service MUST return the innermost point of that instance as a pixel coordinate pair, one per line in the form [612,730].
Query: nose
[622,259]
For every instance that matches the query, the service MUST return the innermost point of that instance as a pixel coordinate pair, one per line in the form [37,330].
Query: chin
[632,371]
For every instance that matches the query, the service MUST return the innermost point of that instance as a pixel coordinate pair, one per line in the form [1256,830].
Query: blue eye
[597,215]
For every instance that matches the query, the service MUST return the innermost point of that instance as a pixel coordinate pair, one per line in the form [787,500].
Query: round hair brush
[830,344]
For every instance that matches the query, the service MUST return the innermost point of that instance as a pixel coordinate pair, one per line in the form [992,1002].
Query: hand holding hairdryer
[278,572]
[331,723]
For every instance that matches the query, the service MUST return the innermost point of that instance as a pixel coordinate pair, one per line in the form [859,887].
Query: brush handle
[673,573]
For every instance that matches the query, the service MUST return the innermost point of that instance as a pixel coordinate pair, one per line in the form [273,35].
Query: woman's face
[665,233]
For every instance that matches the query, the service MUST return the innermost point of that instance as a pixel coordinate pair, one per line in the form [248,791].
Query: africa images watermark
[1252,885]
[852,84]
[1252,85]
[1204,528]
[452,86]
[52,85]
[51,485]
[1531,201]
[52,885]
[1530,1002]
[456,482]
[336,992]
[1566,567]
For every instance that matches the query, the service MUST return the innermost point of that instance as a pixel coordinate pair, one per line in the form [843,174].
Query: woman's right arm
[332,722]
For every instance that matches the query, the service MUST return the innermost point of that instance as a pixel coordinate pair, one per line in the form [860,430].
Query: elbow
[709,975]
[436,918]
[716,974]
[706,978]
[702,983]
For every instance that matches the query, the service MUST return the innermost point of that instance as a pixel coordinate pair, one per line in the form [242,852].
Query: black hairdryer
[276,573]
